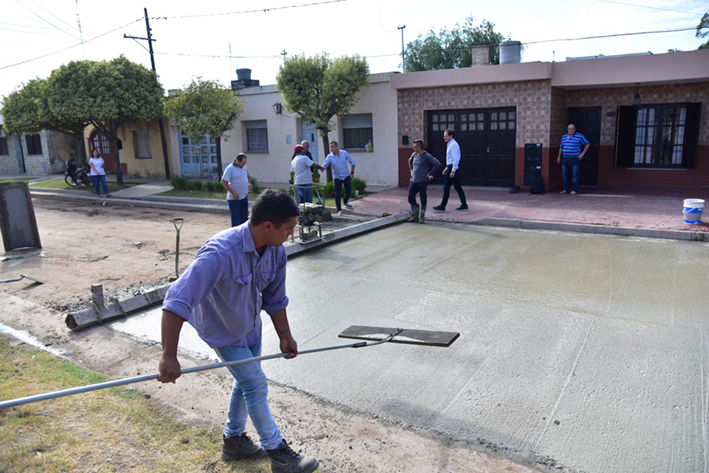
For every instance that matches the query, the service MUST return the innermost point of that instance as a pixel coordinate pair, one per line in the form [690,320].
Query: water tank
[510,52]
[243,74]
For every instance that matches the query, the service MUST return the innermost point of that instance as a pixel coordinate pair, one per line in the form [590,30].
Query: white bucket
[692,211]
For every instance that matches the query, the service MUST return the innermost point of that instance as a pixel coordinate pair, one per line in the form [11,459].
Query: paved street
[589,353]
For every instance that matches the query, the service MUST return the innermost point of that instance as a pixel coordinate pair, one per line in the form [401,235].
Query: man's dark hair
[273,206]
[418,142]
[240,157]
[334,143]
[450,133]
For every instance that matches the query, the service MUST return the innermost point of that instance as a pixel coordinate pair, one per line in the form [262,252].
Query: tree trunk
[81,149]
[326,148]
[219,159]
[112,137]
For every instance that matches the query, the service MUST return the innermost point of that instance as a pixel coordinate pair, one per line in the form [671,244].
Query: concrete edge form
[298,248]
[594,229]
[98,312]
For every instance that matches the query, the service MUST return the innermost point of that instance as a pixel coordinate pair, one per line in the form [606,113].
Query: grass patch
[60,184]
[19,179]
[114,429]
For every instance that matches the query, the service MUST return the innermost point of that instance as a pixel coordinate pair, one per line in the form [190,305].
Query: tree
[32,109]
[703,24]
[451,49]
[318,88]
[104,94]
[205,107]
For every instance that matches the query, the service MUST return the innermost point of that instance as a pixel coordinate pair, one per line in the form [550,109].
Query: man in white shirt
[301,168]
[237,182]
[451,173]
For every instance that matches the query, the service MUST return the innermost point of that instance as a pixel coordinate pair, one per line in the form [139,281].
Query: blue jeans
[573,165]
[304,193]
[239,211]
[347,182]
[102,181]
[249,396]
[421,189]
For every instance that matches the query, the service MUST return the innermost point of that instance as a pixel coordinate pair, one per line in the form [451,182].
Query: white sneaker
[563,192]
[339,212]
[348,205]
[573,192]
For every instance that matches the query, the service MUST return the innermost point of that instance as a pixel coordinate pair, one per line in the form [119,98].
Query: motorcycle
[75,176]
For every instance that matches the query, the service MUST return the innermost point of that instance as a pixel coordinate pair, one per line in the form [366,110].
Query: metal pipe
[138,379]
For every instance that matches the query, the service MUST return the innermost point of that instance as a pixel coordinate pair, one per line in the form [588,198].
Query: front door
[310,134]
[198,159]
[487,140]
[588,123]
[100,142]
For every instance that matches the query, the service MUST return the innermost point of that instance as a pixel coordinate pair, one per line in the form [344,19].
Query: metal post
[403,51]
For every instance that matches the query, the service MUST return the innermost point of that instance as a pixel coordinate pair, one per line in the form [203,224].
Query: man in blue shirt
[338,159]
[237,273]
[451,172]
[572,154]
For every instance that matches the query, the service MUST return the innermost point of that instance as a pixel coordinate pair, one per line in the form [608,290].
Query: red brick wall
[404,173]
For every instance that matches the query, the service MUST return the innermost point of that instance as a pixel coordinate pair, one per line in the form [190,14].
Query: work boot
[241,447]
[286,460]
[422,215]
[414,214]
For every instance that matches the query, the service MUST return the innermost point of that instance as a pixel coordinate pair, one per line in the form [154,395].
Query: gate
[487,140]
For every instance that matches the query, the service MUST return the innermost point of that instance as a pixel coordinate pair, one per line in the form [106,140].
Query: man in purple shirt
[235,274]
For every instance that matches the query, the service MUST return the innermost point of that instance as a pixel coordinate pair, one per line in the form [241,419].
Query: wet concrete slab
[578,352]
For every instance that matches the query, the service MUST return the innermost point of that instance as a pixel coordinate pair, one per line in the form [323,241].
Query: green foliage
[255,187]
[703,24]
[194,185]
[179,183]
[358,185]
[213,186]
[451,49]
[204,107]
[329,189]
[318,88]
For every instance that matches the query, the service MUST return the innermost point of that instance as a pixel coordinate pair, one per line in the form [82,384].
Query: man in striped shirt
[570,156]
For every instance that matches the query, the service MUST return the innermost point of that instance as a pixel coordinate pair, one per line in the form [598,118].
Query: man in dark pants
[422,166]
[451,173]
[572,153]
[338,159]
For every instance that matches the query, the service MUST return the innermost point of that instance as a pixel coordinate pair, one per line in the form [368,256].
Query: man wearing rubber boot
[422,166]
[235,274]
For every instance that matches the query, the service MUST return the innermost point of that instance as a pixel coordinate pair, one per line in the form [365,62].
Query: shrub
[255,187]
[194,185]
[213,186]
[179,183]
[358,185]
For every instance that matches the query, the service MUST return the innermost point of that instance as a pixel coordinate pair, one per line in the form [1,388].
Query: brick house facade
[543,94]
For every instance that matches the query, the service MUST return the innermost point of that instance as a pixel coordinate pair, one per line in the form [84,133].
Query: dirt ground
[125,248]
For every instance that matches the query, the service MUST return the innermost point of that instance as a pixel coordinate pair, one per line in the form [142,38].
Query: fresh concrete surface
[577,352]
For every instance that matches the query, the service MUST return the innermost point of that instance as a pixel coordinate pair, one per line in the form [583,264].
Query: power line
[216,56]
[260,10]
[45,20]
[612,35]
[70,47]
[652,8]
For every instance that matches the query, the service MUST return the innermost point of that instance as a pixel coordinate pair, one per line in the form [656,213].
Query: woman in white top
[98,173]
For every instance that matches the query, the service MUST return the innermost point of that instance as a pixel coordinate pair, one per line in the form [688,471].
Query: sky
[213,38]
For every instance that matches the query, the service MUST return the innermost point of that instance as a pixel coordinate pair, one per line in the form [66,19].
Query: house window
[34,144]
[256,135]
[3,142]
[357,131]
[658,135]
[141,138]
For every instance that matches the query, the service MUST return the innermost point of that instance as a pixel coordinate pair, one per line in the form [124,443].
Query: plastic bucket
[692,211]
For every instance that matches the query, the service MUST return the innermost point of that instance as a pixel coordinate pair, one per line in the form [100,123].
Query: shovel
[175,222]
[23,276]
[380,334]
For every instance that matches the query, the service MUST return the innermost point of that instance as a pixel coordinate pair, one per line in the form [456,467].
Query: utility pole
[284,55]
[150,40]
[403,51]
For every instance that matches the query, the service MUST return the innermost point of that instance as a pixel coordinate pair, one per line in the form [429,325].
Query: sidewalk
[645,212]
